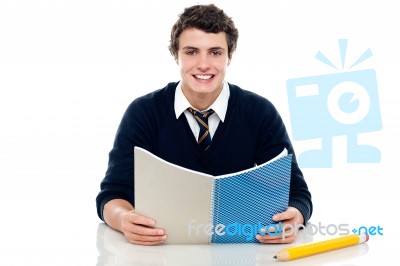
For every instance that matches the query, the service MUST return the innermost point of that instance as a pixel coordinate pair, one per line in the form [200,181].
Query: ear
[230,58]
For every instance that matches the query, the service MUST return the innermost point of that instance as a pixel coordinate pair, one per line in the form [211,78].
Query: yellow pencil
[306,250]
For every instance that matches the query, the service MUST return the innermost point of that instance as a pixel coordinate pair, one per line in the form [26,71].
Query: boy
[236,128]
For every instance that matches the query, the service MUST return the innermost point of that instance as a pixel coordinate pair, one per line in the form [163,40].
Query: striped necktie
[204,139]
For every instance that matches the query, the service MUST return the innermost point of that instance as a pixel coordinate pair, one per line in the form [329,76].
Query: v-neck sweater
[253,132]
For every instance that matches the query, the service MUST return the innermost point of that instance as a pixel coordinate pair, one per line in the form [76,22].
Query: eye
[190,52]
[216,53]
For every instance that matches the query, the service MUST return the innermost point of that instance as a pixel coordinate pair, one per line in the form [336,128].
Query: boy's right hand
[139,229]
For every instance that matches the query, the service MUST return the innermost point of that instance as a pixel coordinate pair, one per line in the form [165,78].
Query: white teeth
[205,77]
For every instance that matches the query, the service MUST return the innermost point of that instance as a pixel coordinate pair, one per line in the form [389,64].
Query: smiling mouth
[203,77]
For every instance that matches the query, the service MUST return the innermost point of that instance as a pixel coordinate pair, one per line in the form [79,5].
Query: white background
[69,69]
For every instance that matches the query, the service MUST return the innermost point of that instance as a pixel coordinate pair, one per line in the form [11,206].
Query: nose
[203,62]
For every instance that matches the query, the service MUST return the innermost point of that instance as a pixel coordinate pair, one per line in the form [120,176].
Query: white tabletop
[59,226]
[114,250]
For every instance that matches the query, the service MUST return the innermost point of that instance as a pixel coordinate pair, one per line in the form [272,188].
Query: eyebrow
[211,48]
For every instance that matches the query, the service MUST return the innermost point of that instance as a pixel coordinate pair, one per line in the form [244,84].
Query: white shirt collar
[220,105]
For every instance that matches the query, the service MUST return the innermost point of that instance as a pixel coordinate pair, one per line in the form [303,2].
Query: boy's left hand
[291,219]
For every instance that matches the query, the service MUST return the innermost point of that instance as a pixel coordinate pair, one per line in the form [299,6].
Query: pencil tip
[275,257]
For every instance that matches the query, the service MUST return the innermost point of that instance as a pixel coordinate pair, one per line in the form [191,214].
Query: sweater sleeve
[118,183]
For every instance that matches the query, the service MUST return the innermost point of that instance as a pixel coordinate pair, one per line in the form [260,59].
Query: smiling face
[203,60]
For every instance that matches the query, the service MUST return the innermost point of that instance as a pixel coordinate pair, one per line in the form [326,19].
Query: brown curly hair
[208,18]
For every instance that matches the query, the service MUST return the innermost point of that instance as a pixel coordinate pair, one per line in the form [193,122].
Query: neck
[202,101]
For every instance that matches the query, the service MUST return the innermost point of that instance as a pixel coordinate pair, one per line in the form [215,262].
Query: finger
[140,229]
[146,243]
[145,239]
[279,227]
[136,218]
[285,238]
[280,240]
[288,231]
[138,224]
[286,215]
[269,237]
[146,231]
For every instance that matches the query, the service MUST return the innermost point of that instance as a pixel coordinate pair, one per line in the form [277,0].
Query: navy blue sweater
[253,132]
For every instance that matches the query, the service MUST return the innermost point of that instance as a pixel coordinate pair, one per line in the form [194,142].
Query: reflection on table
[115,250]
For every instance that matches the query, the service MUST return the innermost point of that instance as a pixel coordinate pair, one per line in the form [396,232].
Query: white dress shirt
[219,106]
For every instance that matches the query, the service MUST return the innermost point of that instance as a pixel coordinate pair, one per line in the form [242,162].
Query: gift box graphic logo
[344,103]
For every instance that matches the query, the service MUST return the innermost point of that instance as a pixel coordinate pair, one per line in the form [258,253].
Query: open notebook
[197,208]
